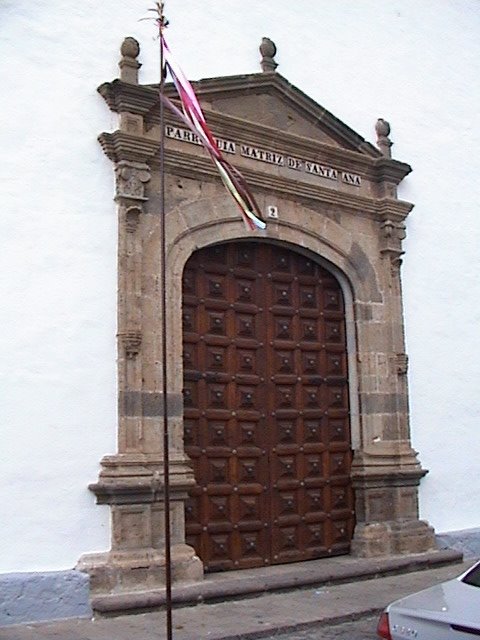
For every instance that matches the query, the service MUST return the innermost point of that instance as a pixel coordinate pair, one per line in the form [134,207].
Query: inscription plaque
[268,156]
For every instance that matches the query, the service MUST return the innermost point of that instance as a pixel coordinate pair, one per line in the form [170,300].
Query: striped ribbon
[192,115]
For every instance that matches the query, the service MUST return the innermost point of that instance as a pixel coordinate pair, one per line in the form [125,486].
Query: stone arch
[300,241]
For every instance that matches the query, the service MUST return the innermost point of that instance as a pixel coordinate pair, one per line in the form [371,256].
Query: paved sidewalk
[254,617]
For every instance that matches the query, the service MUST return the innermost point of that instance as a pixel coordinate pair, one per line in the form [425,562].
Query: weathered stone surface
[148,404]
[393,537]
[139,569]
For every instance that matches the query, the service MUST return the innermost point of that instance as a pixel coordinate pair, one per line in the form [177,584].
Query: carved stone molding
[132,218]
[138,479]
[131,342]
[401,363]
[131,180]
[392,235]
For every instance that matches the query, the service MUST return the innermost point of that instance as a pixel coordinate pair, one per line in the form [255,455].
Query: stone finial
[129,64]
[384,143]
[268,51]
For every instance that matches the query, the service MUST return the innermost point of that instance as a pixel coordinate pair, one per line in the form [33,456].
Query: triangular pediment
[268,99]
[263,122]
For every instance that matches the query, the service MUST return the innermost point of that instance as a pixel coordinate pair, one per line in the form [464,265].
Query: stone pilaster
[385,470]
[132,178]
[131,481]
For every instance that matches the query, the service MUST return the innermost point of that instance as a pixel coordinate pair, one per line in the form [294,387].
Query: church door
[266,411]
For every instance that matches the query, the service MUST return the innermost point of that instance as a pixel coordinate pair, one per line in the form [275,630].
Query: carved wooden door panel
[265,407]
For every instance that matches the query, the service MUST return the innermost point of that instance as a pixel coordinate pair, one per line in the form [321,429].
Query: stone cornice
[137,478]
[388,170]
[120,146]
[375,169]
[378,170]
[193,167]
[123,96]
[143,100]
[385,476]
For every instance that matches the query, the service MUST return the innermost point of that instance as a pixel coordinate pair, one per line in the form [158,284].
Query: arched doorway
[266,410]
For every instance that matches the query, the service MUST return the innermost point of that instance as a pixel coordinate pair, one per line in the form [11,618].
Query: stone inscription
[261,154]
[185,135]
[270,157]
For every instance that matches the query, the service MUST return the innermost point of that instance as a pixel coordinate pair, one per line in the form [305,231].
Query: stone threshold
[250,582]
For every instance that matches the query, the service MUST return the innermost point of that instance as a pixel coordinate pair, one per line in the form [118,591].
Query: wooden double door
[266,412]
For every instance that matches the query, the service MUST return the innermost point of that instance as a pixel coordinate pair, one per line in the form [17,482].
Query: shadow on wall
[36,597]
[467,541]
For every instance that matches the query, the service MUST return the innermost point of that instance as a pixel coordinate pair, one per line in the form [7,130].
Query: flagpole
[166,451]
[235,184]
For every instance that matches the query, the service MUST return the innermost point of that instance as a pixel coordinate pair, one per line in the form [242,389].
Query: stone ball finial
[129,64]
[268,51]
[382,129]
[130,48]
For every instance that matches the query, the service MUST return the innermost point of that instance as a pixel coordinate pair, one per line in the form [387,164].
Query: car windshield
[473,576]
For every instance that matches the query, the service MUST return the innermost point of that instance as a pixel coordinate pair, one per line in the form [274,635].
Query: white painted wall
[414,63]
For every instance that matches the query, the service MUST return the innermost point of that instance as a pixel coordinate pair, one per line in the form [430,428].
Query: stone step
[233,585]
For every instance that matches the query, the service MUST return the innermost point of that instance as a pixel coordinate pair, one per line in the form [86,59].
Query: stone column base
[392,538]
[139,569]
[386,478]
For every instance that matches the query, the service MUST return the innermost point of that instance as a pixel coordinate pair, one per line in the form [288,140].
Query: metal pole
[163,279]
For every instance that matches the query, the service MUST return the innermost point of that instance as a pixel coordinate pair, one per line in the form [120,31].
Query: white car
[448,611]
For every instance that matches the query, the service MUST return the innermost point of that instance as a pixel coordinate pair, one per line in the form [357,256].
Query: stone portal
[328,196]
